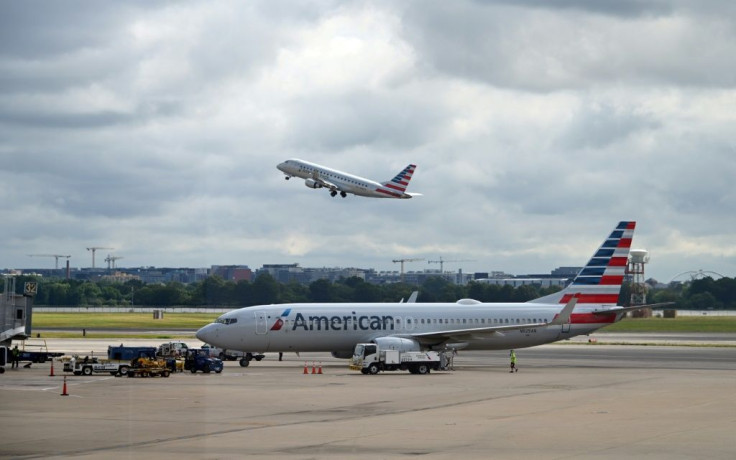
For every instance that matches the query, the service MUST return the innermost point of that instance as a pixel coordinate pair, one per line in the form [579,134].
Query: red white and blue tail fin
[599,282]
[396,187]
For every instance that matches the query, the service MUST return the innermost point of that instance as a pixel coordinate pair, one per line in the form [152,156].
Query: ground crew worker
[16,357]
[513,362]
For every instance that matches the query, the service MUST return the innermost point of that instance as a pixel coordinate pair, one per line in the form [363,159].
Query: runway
[567,401]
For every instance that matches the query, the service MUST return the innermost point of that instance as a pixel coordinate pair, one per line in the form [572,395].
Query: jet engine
[311,183]
[397,343]
[342,354]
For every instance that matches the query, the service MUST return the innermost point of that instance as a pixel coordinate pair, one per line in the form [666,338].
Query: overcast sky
[155,128]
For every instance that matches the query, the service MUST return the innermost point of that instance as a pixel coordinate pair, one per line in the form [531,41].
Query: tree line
[700,294]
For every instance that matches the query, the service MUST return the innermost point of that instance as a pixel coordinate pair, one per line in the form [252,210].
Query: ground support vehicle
[369,358]
[148,367]
[4,355]
[199,360]
[37,356]
[127,354]
[172,350]
[244,357]
[89,366]
[40,356]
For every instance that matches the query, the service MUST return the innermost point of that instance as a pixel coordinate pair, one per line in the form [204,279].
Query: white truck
[369,358]
[172,350]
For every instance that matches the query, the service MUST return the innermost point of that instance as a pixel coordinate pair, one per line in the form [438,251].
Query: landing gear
[333,193]
[287,177]
[343,194]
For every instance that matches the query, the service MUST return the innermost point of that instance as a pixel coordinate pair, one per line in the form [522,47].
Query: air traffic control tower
[15,312]
[638,258]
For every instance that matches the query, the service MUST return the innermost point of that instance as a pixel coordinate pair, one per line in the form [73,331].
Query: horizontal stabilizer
[616,310]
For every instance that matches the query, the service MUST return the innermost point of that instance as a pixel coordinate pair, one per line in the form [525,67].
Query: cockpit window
[226,320]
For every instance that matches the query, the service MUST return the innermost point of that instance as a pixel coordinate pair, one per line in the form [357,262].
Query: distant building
[232,272]
[119,277]
[516,282]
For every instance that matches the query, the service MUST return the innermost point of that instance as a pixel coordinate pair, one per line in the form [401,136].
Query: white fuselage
[338,327]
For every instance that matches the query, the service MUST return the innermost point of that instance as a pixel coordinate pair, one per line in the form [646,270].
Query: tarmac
[567,401]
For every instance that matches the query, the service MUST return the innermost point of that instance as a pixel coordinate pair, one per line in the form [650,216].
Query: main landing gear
[342,194]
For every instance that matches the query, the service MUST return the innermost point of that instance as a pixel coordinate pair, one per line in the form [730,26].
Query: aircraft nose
[281,167]
[207,333]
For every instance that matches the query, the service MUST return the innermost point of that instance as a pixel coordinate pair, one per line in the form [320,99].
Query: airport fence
[706,312]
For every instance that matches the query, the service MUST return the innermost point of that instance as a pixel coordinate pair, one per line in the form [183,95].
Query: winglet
[564,316]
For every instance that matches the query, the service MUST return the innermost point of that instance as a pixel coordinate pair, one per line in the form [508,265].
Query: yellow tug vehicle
[148,367]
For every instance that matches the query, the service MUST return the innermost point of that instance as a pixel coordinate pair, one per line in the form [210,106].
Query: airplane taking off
[317,176]
[466,324]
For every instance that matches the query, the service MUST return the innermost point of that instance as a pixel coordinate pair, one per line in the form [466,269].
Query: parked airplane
[466,324]
[316,176]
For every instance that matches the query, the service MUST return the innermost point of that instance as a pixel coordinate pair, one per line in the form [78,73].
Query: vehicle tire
[218,370]
[194,371]
[2,370]
[165,373]
[123,370]
[364,371]
[373,369]
[41,359]
[258,358]
[244,362]
[87,370]
[422,369]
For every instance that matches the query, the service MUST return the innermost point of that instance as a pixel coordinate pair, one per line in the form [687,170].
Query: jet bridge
[15,311]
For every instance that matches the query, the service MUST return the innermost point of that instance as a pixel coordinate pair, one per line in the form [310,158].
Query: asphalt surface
[567,401]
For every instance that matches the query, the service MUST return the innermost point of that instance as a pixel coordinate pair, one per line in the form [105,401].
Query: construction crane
[442,262]
[57,256]
[93,249]
[402,265]
[110,259]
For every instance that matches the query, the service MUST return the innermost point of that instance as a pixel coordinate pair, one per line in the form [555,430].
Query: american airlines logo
[280,322]
[336,323]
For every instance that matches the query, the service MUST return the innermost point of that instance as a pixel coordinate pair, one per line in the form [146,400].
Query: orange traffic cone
[63,391]
[51,374]
[305,368]
[319,370]
[314,371]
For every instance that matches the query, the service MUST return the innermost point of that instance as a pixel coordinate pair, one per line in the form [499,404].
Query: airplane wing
[462,335]
[324,183]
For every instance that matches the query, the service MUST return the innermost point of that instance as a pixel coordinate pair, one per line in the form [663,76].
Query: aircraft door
[261,324]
